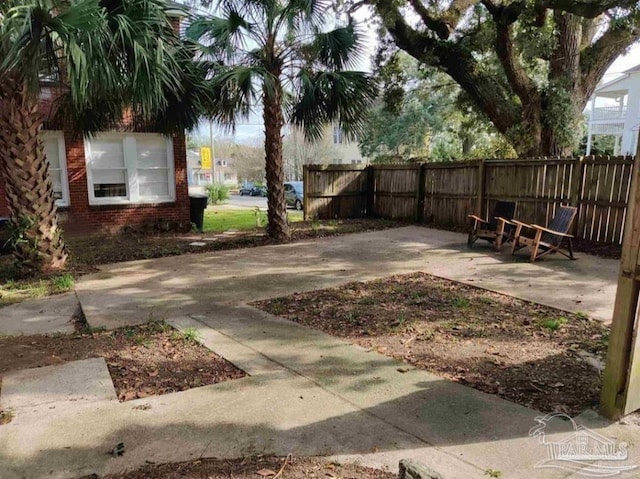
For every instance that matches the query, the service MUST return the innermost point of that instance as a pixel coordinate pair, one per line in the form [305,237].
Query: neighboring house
[197,175]
[224,172]
[345,151]
[615,111]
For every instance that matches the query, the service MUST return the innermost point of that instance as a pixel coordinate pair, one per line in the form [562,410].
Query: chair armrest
[477,218]
[557,233]
[521,223]
[504,220]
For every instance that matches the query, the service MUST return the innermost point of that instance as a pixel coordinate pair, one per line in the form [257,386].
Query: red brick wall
[81,217]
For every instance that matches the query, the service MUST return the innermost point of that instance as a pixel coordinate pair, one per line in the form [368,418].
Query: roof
[623,76]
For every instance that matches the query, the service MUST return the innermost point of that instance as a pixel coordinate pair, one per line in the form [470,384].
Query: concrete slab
[78,381]
[272,413]
[39,316]
[130,293]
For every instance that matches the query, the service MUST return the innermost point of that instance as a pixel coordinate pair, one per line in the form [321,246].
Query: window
[337,136]
[130,168]
[54,150]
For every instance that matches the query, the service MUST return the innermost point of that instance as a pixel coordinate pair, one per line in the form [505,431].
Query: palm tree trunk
[39,245]
[278,228]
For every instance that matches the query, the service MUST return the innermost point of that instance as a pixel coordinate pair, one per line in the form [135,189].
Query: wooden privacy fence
[445,193]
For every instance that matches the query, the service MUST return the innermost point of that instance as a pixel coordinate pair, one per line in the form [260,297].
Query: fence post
[371,190]
[305,183]
[576,193]
[420,192]
[481,184]
[620,393]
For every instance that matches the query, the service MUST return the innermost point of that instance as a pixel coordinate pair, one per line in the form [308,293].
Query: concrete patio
[130,293]
[308,393]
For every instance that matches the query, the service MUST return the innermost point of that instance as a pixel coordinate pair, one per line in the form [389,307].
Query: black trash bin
[197,205]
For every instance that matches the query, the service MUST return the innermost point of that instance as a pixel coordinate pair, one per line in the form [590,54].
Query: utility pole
[213,156]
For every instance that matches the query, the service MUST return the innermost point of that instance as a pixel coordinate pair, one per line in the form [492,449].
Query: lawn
[530,354]
[220,219]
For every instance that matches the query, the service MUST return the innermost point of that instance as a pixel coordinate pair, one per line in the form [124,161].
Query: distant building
[196,174]
[224,172]
[345,151]
[615,111]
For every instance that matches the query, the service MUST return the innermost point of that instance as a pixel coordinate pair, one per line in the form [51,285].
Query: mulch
[145,360]
[530,354]
[254,468]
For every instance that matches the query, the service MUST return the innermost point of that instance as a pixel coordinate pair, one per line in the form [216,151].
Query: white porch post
[593,106]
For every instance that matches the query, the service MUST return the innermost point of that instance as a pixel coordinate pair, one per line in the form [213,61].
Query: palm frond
[338,49]
[339,97]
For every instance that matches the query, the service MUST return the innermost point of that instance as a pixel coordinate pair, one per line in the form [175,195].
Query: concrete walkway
[135,292]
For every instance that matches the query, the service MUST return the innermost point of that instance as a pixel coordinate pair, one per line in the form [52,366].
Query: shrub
[217,193]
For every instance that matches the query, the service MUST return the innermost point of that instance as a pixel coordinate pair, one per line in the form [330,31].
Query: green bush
[217,193]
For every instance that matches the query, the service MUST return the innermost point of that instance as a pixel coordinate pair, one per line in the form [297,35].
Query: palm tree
[102,57]
[277,53]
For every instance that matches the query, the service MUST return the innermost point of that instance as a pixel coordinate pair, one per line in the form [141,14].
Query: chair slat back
[561,223]
[504,209]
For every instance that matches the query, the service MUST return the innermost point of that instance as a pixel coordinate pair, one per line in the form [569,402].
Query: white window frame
[131,171]
[50,135]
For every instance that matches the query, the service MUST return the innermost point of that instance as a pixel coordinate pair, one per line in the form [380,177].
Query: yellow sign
[205,158]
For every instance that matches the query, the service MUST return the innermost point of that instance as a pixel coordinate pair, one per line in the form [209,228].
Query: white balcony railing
[609,113]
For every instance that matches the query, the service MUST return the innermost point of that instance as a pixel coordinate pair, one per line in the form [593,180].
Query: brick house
[114,180]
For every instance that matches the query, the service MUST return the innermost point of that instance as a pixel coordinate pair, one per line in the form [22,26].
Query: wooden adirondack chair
[547,240]
[496,228]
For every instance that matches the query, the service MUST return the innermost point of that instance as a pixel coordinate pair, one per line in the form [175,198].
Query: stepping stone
[197,243]
[39,316]
[86,380]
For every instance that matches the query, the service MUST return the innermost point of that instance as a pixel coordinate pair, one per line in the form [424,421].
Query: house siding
[81,217]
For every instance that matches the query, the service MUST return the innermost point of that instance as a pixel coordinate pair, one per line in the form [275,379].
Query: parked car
[294,194]
[253,190]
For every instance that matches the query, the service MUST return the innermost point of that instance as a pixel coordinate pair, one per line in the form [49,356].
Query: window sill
[127,206]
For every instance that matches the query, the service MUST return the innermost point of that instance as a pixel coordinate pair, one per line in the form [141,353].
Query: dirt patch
[254,468]
[533,355]
[143,360]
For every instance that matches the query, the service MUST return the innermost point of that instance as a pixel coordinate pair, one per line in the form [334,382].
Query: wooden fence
[445,193]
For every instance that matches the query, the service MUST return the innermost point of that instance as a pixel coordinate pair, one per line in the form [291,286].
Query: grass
[190,334]
[218,220]
[554,324]
[17,290]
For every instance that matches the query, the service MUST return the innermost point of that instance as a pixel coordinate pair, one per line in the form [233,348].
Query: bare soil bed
[254,468]
[143,360]
[533,355]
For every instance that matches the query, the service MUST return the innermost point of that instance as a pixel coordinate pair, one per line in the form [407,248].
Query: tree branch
[438,26]
[516,74]
[457,62]
[597,58]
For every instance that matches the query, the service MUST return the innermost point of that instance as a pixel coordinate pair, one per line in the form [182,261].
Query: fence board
[446,193]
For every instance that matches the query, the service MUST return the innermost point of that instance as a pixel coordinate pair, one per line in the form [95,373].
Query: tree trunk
[39,245]
[278,228]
